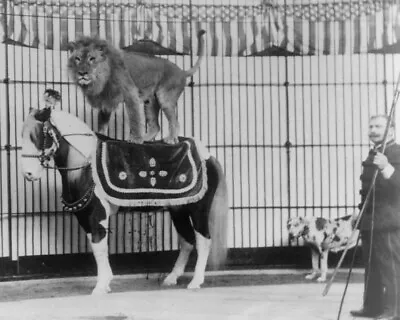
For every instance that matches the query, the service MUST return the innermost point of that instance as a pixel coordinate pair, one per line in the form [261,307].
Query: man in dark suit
[380,225]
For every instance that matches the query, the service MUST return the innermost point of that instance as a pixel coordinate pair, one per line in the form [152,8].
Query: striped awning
[267,28]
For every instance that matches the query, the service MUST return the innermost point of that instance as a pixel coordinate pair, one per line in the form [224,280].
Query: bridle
[46,154]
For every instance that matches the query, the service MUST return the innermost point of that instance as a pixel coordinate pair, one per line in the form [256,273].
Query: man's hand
[380,160]
[382,163]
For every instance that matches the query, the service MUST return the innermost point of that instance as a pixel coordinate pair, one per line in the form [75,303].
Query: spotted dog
[322,235]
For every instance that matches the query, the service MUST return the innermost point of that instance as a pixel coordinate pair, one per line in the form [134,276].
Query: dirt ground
[226,295]
[64,287]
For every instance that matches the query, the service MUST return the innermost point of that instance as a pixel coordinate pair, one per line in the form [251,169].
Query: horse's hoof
[170,280]
[195,284]
[99,291]
[321,279]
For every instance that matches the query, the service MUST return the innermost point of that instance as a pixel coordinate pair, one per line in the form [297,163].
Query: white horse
[59,136]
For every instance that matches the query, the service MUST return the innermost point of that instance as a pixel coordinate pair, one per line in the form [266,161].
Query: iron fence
[282,100]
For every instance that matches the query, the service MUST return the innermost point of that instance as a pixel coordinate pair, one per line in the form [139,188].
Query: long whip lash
[370,191]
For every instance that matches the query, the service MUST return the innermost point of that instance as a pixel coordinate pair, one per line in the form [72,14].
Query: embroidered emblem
[122,175]
[182,177]
[152,173]
[143,174]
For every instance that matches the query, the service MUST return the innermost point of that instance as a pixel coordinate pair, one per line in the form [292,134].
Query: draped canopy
[304,27]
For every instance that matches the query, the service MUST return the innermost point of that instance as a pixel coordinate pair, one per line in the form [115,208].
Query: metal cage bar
[289,127]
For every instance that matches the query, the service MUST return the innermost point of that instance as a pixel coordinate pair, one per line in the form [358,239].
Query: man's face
[376,132]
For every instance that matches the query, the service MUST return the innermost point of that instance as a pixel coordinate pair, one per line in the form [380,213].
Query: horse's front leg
[203,246]
[104,272]
[99,243]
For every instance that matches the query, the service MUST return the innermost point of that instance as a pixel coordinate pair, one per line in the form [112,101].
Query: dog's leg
[314,263]
[203,246]
[180,264]
[324,266]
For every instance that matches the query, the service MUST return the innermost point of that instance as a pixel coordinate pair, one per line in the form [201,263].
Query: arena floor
[233,295]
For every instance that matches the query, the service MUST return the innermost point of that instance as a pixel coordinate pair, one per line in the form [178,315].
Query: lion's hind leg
[167,100]
[171,115]
[152,111]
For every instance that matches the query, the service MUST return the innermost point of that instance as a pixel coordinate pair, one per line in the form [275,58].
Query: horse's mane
[74,131]
[67,123]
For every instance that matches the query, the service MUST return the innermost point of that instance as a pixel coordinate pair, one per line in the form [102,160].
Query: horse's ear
[43,114]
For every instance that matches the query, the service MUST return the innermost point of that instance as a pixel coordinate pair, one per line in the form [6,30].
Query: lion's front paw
[135,140]
[151,135]
[171,140]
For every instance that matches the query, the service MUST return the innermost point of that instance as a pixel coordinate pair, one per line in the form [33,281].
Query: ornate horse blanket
[150,174]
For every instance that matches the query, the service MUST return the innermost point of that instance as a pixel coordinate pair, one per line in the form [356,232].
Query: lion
[146,83]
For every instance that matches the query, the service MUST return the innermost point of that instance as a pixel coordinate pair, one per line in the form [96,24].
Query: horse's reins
[47,153]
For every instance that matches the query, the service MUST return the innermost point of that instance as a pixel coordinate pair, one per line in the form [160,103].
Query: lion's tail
[196,66]
[218,219]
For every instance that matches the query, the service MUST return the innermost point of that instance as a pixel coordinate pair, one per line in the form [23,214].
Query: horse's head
[39,143]
[49,134]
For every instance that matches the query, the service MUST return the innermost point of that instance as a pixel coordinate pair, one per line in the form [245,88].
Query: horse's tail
[218,218]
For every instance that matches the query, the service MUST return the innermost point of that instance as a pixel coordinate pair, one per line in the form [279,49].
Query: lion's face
[88,64]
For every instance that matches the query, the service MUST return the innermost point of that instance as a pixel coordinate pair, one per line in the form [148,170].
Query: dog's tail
[196,66]
[218,218]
